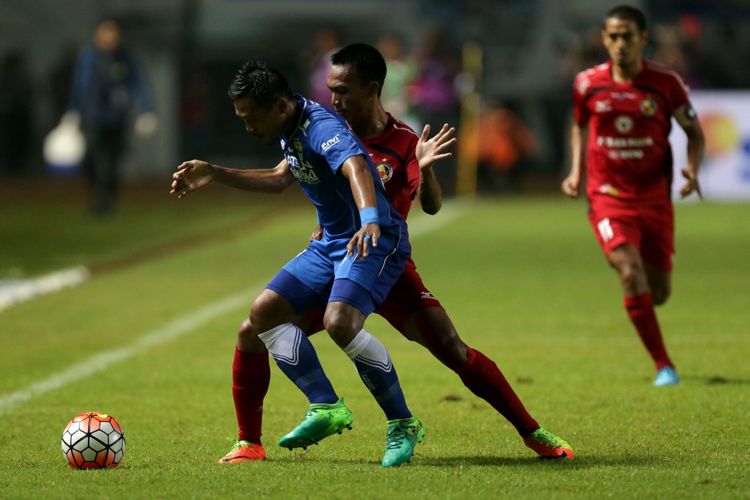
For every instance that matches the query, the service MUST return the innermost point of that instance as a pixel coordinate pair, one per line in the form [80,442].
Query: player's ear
[281,105]
[373,89]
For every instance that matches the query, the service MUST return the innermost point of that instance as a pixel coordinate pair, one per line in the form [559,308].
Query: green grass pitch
[522,279]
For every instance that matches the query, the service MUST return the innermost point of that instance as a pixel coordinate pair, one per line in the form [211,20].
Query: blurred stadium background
[530,52]
[521,259]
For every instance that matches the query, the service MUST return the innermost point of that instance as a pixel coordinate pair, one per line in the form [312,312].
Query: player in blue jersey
[349,271]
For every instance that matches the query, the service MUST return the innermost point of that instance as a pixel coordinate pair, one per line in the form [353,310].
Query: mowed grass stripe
[176,328]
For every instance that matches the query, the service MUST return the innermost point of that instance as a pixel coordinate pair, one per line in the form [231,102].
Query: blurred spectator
[60,78]
[401,70]
[196,111]
[15,113]
[326,43]
[106,86]
[433,94]
[506,145]
[432,90]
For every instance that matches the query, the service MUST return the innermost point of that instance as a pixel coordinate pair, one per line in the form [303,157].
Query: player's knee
[632,275]
[340,326]
[660,295]
[262,316]
[247,338]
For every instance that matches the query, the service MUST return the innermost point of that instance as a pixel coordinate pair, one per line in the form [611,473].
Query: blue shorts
[324,272]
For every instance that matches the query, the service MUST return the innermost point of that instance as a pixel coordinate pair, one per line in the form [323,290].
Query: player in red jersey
[627,105]
[404,160]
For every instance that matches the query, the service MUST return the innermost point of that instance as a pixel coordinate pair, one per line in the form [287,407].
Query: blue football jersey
[321,142]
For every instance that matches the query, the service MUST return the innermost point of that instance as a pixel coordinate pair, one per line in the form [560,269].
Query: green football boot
[401,439]
[321,420]
[547,445]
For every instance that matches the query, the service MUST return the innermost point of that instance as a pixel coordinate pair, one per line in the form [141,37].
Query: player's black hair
[628,13]
[260,83]
[366,60]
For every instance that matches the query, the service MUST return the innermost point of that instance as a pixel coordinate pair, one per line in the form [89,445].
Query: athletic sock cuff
[269,337]
[643,300]
[358,344]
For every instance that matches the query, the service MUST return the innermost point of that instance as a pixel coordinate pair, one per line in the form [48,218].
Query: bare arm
[428,151]
[357,171]
[195,174]
[688,120]
[571,185]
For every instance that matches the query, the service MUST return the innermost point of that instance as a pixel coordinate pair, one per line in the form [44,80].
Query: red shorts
[650,229]
[408,296]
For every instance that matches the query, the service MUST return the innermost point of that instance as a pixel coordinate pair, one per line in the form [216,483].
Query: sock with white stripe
[296,357]
[374,365]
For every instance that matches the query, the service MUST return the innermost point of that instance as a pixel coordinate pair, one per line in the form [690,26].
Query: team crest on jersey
[624,124]
[297,145]
[385,171]
[649,106]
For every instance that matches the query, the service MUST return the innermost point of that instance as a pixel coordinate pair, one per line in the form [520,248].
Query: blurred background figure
[16,123]
[506,147]
[326,43]
[432,91]
[197,112]
[401,70]
[107,85]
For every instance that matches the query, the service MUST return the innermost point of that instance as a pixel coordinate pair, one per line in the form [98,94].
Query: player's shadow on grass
[580,462]
[715,380]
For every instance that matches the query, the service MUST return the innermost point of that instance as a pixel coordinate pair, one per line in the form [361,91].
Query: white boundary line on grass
[16,291]
[187,324]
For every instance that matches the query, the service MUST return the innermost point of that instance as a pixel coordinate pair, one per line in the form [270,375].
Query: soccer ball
[93,440]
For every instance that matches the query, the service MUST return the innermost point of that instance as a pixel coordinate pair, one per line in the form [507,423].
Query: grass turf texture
[524,282]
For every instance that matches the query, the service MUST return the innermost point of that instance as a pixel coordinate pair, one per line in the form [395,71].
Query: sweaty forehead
[617,25]
[343,74]
[246,106]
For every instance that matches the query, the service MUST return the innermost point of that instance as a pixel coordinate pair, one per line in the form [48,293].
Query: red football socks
[482,377]
[642,315]
[251,376]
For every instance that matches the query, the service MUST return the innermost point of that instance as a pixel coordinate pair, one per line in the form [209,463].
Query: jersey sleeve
[580,87]
[678,92]
[335,142]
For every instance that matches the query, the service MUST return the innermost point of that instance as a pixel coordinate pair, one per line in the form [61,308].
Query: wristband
[368,215]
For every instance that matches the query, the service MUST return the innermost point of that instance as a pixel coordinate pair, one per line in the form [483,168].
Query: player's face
[623,41]
[264,123]
[349,96]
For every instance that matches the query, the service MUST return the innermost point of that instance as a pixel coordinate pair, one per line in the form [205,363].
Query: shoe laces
[237,443]
[396,435]
[546,437]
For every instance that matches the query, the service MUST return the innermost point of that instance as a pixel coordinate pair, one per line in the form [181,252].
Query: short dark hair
[366,60]
[628,13]
[260,83]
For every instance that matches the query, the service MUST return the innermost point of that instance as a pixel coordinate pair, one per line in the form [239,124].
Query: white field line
[182,326]
[15,291]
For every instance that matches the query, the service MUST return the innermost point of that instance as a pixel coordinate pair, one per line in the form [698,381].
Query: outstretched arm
[195,174]
[571,185]
[357,171]
[688,120]
[428,151]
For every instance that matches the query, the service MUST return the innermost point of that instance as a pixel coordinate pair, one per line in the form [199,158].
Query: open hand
[429,150]
[191,175]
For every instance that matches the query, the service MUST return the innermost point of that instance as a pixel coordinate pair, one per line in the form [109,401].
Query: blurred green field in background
[522,279]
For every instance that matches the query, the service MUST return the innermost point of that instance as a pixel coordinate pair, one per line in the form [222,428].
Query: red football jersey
[628,155]
[393,152]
